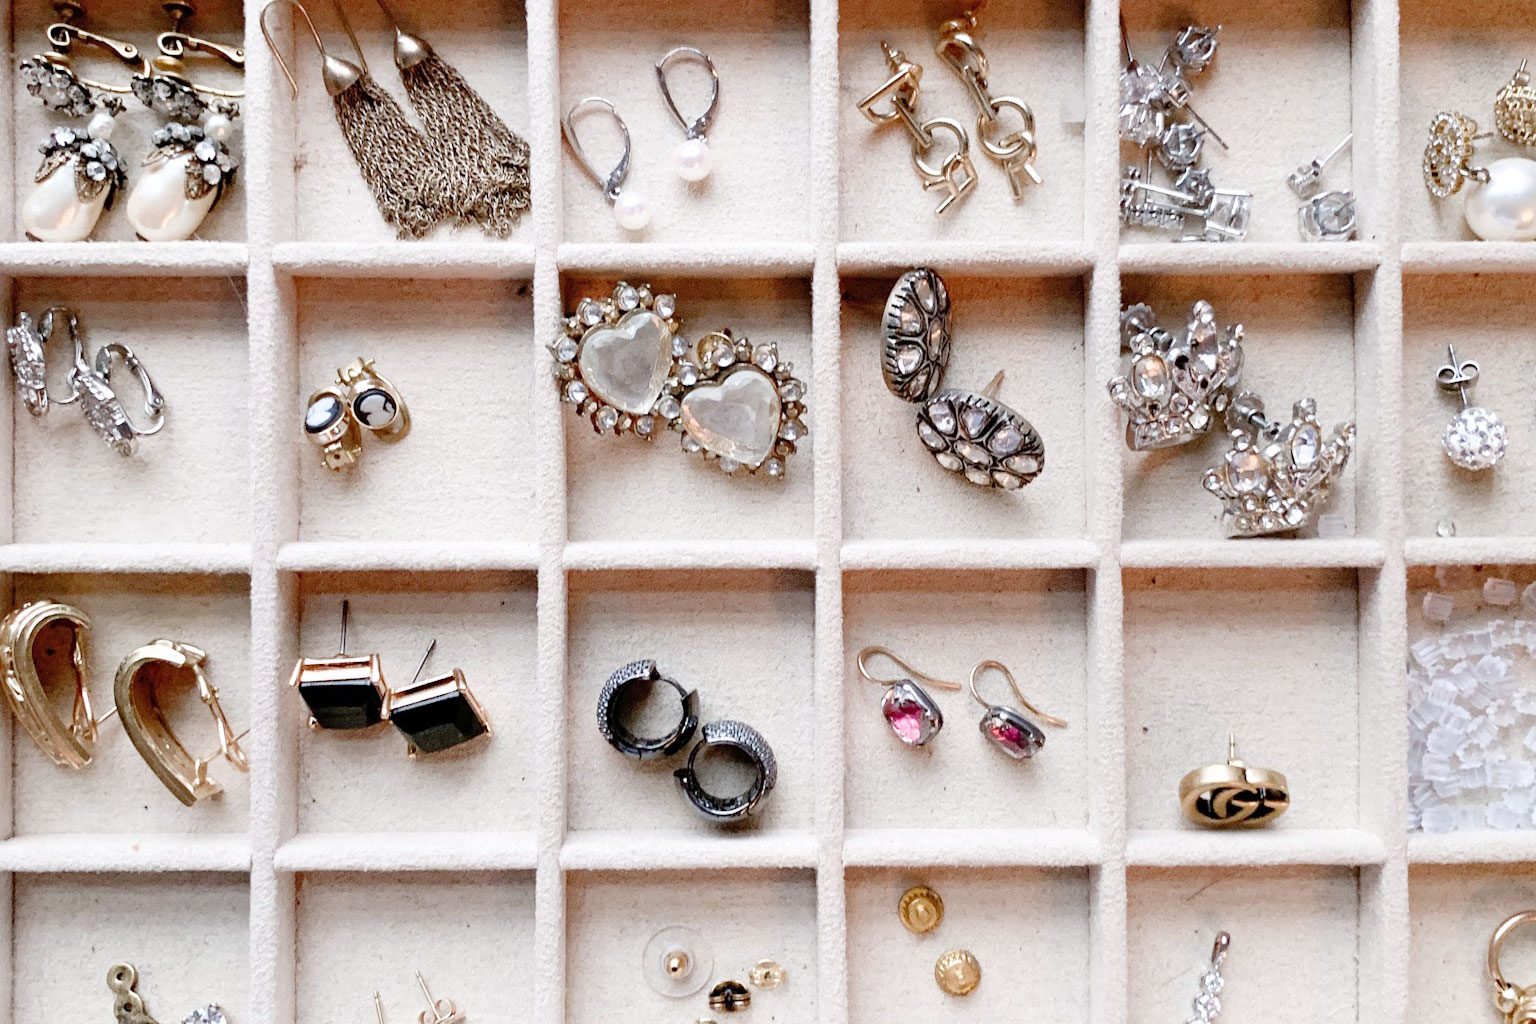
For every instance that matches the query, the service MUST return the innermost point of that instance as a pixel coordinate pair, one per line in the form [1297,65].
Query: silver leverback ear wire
[630,208]
[693,157]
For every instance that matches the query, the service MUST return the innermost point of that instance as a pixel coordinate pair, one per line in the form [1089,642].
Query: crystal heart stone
[737,417]
[911,713]
[1012,733]
[626,364]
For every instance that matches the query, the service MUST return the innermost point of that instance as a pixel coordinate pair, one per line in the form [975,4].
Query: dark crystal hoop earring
[725,810]
[637,680]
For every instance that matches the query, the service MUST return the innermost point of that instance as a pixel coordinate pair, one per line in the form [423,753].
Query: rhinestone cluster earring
[969,433]
[1156,117]
[1178,385]
[623,364]
[1475,439]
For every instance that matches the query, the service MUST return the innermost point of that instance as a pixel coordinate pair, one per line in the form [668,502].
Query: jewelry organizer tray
[523,879]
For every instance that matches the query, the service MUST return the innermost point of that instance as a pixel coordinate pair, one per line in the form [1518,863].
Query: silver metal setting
[917,335]
[1177,385]
[1207,1005]
[1330,216]
[980,438]
[698,128]
[1475,439]
[725,810]
[104,411]
[27,344]
[1276,476]
[612,183]
[635,678]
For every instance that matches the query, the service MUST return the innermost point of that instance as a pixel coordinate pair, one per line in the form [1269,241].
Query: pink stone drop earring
[912,714]
[1006,727]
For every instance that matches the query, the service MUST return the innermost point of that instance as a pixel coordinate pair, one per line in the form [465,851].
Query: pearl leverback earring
[693,156]
[630,208]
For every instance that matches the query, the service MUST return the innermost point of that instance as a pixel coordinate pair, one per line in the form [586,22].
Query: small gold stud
[921,909]
[678,964]
[958,972]
[766,974]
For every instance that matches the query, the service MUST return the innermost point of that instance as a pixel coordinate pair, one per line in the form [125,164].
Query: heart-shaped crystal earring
[1276,475]
[742,407]
[1475,439]
[981,438]
[1177,386]
[912,714]
[1006,727]
[617,361]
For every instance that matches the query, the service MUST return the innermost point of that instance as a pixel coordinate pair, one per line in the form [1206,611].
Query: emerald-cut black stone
[343,703]
[437,721]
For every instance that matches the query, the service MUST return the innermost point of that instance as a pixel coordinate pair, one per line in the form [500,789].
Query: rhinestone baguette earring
[913,715]
[954,175]
[1016,151]
[1006,728]
[692,157]
[81,172]
[1502,205]
[1178,386]
[190,164]
[1475,438]
[1323,216]
[630,207]
[1275,476]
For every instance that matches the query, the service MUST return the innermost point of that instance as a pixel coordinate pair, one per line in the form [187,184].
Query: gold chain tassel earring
[392,154]
[488,184]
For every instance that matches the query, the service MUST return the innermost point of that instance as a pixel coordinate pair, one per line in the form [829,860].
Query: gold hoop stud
[1517,1004]
[140,677]
[35,641]
[1233,795]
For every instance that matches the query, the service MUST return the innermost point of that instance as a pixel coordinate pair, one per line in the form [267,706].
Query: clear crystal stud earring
[1475,438]
[1323,216]
[630,208]
[912,714]
[617,361]
[1178,385]
[981,438]
[1275,476]
[693,157]
[1007,728]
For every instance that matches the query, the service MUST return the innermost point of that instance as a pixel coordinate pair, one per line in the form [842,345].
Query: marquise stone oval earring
[693,158]
[630,208]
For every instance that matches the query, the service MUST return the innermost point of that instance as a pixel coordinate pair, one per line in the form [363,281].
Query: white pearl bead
[694,160]
[218,126]
[53,212]
[631,210]
[158,207]
[1504,208]
[101,125]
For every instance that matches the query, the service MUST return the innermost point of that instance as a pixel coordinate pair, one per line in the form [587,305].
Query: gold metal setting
[1233,795]
[921,910]
[341,440]
[958,972]
[359,399]
[767,974]
[1514,109]
[1448,154]
[140,678]
[40,641]
[1517,1004]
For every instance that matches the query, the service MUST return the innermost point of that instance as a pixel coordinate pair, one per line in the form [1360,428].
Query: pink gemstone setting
[1012,733]
[911,713]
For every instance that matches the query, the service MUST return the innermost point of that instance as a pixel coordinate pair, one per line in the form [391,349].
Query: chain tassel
[393,156]
[488,185]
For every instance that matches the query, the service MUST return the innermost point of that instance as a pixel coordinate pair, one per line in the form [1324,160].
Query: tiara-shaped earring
[1177,385]
[1276,475]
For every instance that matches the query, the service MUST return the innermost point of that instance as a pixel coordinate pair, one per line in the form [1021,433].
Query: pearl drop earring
[630,208]
[1502,208]
[694,159]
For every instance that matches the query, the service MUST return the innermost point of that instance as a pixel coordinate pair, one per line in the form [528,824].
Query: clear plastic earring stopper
[677,962]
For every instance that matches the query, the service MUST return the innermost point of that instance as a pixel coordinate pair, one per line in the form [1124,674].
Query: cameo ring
[636,680]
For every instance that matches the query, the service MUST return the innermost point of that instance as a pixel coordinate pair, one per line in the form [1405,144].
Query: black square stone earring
[342,692]
[436,714]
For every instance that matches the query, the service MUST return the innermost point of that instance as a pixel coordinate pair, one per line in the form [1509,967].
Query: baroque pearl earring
[693,156]
[630,208]
[1502,206]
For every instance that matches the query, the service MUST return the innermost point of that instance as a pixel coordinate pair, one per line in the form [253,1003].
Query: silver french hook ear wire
[154,401]
[613,184]
[699,128]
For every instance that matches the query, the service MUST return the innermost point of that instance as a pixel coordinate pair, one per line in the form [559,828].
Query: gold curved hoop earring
[46,628]
[161,663]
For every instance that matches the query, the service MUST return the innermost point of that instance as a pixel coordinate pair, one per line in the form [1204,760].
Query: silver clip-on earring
[693,157]
[630,208]
[1323,216]
[91,386]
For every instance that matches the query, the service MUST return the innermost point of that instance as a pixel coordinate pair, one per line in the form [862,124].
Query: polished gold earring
[1517,1004]
[1233,795]
[38,642]
[140,678]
